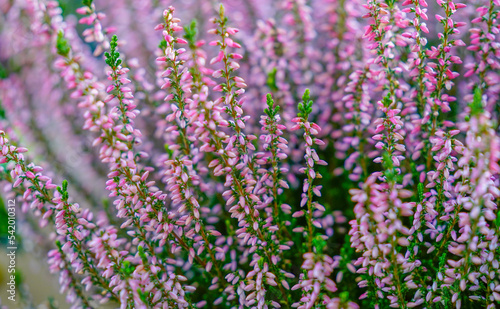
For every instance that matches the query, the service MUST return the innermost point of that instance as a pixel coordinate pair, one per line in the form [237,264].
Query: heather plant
[254,154]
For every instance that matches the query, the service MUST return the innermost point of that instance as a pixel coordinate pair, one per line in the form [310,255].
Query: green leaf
[305,107]
[271,80]
[476,107]
[113,57]
[261,263]
[162,45]
[319,243]
[221,11]
[3,72]
[191,32]
[420,188]
[87,2]
[271,109]
[142,254]
[386,101]
[62,45]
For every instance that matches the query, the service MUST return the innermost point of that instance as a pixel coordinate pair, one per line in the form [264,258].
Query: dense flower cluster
[324,154]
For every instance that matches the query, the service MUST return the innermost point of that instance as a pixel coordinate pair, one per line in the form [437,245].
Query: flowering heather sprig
[96,33]
[274,146]
[358,114]
[384,68]
[181,176]
[140,191]
[198,61]
[478,196]
[315,282]
[300,16]
[272,43]
[380,210]
[417,56]
[311,158]
[317,266]
[127,181]
[72,224]
[484,44]
[340,25]
[237,146]
[271,186]
[383,44]
[241,167]
[175,77]
[439,74]
[233,86]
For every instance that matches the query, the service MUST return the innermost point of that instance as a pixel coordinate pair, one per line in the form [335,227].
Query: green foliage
[271,110]
[390,3]
[2,112]
[222,11]
[87,2]
[162,45]
[305,107]
[3,72]
[3,219]
[142,295]
[64,189]
[142,254]
[387,100]
[127,268]
[319,243]
[52,303]
[271,80]
[476,106]
[261,263]
[191,32]
[62,45]
[388,166]
[113,57]
[420,188]
[169,151]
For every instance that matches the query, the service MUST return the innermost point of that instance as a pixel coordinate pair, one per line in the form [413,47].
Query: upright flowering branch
[176,78]
[486,51]
[311,158]
[439,73]
[386,21]
[380,207]
[417,61]
[388,208]
[317,266]
[74,226]
[271,186]
[274,145]
[96,33]
[233,87]
[240,168]
[414,108]
[140,191]
[477,242]
[358,112]
[182,177]
[137,197]
[58,261]
[198,64]
[382,45]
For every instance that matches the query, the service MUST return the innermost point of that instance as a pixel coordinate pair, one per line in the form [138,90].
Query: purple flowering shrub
[268,154]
